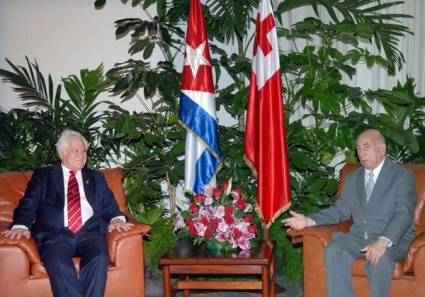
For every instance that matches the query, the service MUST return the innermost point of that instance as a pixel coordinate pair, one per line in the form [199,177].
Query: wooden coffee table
[187,261]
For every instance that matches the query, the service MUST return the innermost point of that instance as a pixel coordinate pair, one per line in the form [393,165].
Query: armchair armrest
[323,233]
[417,243]
[113,238]
[26,244]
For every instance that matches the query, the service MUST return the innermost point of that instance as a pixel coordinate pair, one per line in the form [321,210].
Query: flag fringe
[208,148]
[214,176]
[250,165]
[200,140]
[257,207]
[275,216]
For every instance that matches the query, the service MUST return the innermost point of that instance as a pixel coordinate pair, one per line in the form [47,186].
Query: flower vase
[215,248]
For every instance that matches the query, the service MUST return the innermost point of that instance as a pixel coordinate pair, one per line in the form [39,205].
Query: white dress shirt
[375,171]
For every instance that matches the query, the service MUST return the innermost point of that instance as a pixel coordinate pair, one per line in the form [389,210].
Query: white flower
[219,212]
[200,228]
[208,191]
[179,223]
[241,225]
[209,200]
[235,196]
[203,212]
[248,208]
[223,227]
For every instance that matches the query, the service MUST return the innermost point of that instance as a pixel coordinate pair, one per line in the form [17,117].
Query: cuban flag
[197,107]
[265,138]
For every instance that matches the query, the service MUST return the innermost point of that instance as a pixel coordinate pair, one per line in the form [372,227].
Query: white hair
[62,144]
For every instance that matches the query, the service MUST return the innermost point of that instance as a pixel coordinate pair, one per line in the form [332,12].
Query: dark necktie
[74,204]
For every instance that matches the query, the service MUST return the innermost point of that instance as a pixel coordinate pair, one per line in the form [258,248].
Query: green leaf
[138,46]
[161,6]
[134,3]
[364,30]
[147,53]
[326,158]
[99,3]
[317,184]
[399,97]
[369,61]
[301,160]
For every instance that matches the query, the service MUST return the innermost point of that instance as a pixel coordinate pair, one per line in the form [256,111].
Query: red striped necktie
[74,204]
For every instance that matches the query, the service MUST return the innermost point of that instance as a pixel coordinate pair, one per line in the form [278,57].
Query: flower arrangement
[219,216]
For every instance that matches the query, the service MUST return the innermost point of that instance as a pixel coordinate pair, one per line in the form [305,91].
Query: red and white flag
[265,140]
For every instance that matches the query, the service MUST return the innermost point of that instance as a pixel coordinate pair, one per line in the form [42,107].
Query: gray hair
[62,144]
[380,138]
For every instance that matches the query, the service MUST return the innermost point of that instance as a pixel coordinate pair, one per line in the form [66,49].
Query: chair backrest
[419,172]
[14,184]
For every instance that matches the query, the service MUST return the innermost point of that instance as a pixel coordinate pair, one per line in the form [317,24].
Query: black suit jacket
[42,207]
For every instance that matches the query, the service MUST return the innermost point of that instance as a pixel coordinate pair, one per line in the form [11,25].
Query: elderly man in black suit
[68,209]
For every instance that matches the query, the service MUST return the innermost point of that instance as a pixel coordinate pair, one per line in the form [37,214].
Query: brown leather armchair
[409,275]
[22,273]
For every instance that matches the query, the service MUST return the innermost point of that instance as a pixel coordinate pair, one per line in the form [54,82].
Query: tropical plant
[161,237]
[28,136]
[323,110]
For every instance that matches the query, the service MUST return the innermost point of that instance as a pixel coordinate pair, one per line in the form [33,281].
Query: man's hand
[17,233]
[297,221]
[375,250]
[118,225]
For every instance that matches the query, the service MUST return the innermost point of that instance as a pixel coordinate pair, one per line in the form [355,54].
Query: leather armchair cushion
[26,244]
[114,238]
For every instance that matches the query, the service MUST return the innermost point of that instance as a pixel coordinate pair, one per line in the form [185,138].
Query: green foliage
[363,20]
[149,217]
[160,240]
[23,144]
[161,237]
[332,111]
[324,112]
[152,145]
[286,253]
[28,136]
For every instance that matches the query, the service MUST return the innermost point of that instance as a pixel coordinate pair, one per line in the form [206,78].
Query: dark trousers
[57,251]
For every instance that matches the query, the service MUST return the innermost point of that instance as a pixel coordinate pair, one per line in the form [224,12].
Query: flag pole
[265,234]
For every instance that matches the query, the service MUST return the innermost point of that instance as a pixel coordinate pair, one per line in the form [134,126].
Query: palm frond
[386,27]
[30,85]
[229,19]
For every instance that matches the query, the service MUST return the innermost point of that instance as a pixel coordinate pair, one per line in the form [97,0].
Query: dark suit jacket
[390,209]
[42,207]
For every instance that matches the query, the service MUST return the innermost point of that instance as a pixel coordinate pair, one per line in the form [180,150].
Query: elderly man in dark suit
[68,209]
[380,198]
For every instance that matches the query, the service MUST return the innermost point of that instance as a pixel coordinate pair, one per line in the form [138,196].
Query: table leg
[273,276]
[166,280]
[265,279]
[186,292]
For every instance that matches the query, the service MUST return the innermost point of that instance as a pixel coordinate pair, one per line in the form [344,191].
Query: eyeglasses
[365,147]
